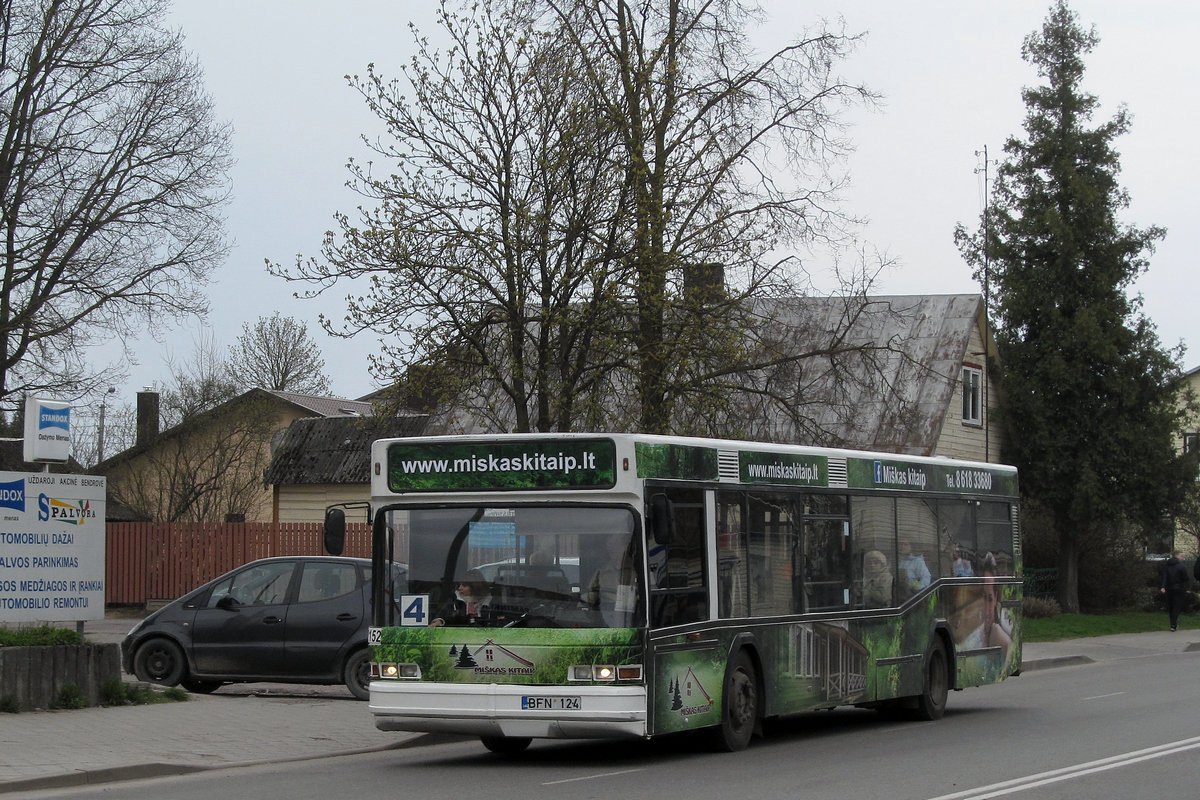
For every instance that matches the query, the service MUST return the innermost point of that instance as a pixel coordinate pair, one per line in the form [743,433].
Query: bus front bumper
[604,712]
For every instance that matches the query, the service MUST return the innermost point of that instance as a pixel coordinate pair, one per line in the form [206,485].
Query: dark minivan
[297,619]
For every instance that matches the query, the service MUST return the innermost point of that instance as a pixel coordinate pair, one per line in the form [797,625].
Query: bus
[629,585]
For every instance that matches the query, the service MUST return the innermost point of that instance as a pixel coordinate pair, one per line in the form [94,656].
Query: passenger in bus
[962,565]
[611,588]
[877,580]
[913,569]
[470,604]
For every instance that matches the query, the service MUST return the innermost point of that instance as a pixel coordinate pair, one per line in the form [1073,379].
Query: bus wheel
[505,745]
[931,703]
[739,705]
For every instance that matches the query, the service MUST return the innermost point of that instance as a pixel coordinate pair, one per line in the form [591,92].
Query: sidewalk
[263,723]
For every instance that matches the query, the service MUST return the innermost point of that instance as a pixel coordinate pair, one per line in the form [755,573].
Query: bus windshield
[495,565]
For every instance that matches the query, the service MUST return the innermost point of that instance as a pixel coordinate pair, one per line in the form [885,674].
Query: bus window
[826,553]
[916,546]
[679,592]
[996,535]
[773,543]
[873,525]
[732,562]
[956,520]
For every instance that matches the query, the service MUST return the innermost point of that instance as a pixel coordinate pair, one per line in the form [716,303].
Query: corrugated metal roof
[333,450]
[889,397]
[324,406]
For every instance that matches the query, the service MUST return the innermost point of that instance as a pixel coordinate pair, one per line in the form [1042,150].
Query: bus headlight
[604,673]
[393,671]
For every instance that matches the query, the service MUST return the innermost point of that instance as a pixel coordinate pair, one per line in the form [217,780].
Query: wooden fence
[148,562]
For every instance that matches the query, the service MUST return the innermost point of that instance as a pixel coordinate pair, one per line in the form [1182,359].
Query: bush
[40,636]
[1040,608]
[112,693]
[9,705]
[68,696]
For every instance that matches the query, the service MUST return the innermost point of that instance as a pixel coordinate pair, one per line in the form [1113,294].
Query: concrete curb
[165,770]
[1057,661]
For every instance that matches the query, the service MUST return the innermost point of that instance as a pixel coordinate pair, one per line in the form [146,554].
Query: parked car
[297,619]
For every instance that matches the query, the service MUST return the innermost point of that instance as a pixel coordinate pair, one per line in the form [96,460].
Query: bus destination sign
[501,465]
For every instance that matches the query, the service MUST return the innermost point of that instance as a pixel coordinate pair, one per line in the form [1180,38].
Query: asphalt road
[1116,729]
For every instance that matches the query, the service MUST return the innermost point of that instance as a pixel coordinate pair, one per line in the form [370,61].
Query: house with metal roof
[318,462]
[902,374]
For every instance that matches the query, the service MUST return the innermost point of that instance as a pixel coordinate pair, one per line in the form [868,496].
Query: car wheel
[357,673]
[159,661]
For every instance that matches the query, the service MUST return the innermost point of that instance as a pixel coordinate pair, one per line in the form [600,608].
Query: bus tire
[739,705]
[506,745]
[931,703]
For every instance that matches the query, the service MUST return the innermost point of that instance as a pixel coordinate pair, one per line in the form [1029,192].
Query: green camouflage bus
[625,585]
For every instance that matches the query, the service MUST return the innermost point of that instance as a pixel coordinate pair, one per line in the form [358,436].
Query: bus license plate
[534,703]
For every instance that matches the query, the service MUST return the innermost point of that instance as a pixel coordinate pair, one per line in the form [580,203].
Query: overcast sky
[950,72]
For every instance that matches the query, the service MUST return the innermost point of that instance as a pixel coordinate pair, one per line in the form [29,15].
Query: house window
[972,395]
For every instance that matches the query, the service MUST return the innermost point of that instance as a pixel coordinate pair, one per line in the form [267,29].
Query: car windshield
[567,566]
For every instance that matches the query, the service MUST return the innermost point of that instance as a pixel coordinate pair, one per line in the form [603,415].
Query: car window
[260,585]
[323,580]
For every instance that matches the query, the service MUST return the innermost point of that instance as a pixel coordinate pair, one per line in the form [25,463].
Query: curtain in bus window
[995,538]
[773,546]
[873,554]
[916,537]
[959,553]
[733,599]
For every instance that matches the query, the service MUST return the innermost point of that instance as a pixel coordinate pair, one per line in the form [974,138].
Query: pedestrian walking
[1175,582]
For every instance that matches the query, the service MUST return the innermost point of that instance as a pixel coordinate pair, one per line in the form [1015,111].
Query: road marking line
[593,777]
[1067,773]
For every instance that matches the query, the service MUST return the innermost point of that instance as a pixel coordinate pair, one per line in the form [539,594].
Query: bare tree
[198,384]
[112,178]
[728,158]
[492,252]
[278,354]
[585,201]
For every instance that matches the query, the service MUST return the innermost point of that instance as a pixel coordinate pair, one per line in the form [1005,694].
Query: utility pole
[987,308]
[100,435]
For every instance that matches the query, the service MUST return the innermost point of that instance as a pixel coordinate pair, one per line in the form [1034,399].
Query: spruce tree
[1089,396]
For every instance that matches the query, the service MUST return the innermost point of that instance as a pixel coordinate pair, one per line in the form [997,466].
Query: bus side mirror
[662,519]
[335,531]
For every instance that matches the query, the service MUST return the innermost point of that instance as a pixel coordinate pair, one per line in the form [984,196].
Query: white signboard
[51,547]
[47,430]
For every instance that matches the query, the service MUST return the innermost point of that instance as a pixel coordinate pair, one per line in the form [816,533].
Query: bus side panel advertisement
[500,466]
[675,462]
[822,664]
[877,473]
